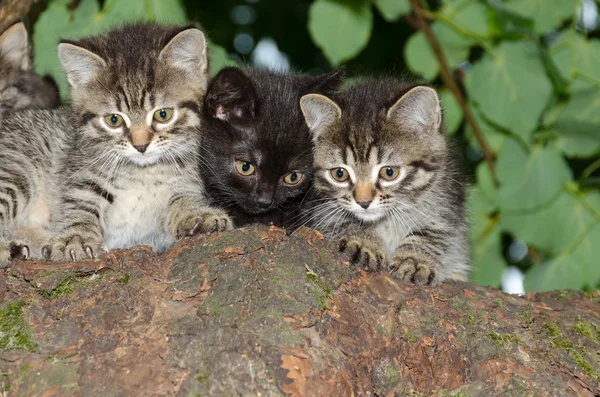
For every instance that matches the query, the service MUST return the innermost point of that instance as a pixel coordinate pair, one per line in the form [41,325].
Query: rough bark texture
[12,11]
[253,312]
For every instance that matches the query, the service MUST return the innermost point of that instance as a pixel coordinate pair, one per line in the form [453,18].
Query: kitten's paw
[10,250]
[74,248]
[203,222]
[363,253]
[416,269]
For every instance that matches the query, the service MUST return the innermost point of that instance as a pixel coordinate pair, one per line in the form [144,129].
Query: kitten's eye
[163,115]
[244,168]
[293,178]
[389,173]
[339,174]
[114,120]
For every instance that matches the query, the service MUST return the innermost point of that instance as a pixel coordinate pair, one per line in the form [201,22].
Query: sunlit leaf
[529,180]
[392,10]
[452,112]
[340,30]
[511,87]
[546,14]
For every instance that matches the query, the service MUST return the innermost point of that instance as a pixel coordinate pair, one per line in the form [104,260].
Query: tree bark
[12,11]
[256,312]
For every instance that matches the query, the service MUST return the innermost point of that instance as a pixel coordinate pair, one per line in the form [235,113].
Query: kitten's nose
[364,204]
[141,148]
[264,200]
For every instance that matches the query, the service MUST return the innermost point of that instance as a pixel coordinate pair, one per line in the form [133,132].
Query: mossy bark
[256,312]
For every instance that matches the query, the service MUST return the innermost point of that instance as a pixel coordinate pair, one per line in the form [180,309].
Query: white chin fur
[144,159]
[368,215]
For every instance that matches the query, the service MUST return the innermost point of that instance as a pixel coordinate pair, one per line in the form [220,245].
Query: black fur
[254,116]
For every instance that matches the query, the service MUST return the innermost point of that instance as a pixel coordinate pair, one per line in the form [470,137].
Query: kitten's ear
[319,112]
[187,51]
[327,83]
[230,94]
[80,64]
[14,46]
[419,110]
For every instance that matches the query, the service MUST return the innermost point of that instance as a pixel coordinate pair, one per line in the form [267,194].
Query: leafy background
[529,70]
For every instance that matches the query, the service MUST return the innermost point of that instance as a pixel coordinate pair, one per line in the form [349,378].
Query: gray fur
[20,87]
[78,187]
[412,226]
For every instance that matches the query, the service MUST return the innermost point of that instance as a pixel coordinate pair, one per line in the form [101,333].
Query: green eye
[293,178]
[389,173]
[114,120]
[244,168]
[339,174]
[163,115]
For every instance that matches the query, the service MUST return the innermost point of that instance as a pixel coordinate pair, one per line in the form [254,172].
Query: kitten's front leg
[416,260]
[189,216]
[79,233]
[365,248]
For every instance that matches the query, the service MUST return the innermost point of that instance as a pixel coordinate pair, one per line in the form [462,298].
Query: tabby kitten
[385,180]
[256,154]
[20,87]
[119,168]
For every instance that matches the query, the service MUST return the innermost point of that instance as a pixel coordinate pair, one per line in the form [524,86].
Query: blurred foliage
[528,68]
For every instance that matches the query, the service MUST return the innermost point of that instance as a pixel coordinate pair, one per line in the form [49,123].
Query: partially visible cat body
[256,154]
[20,87]
[385,182]
[119,168]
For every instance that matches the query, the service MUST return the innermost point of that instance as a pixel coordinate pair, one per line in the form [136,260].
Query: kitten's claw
[74,248]
[363,253]
[19,251]
[204,223]
[417,270]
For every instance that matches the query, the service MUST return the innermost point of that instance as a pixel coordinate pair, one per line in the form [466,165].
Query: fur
[98,187]
[254,116]
[398,201]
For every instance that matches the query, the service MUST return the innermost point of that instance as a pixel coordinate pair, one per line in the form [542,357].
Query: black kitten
[256,151]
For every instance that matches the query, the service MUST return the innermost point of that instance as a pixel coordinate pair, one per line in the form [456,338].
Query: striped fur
[20,87]
[75,187]
[411,224]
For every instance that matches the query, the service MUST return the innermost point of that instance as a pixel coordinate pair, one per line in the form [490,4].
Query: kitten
[385,180]
[20,87]
[257,151]
[119,168]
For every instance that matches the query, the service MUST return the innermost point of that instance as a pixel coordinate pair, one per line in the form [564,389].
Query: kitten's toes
[421,271]
[363,253]
[74,248]
[204,223]
[10,250]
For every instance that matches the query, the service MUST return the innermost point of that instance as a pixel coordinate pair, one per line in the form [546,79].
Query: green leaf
[492,135]
[529,180]
[573,53]
[167,11]
[340,30]
[452,113]
[511,87]
[578,126]
[487,260]
[218,58]
[470,16]
[554,228]
[546,14]
[485,184]
[392,10]
[575,270]
[420,58]
[504,22]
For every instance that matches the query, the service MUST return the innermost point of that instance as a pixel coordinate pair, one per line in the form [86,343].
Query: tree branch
[451,84]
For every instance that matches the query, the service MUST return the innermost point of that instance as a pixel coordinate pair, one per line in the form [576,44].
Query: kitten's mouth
[368,215]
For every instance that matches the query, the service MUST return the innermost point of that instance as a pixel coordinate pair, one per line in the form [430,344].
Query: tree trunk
[254,312]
